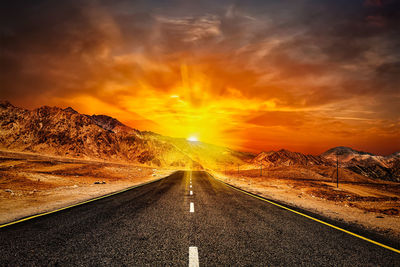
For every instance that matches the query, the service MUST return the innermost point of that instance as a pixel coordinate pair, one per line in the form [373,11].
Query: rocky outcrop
[285,157]
[358,162]
[366,164]
[67,133]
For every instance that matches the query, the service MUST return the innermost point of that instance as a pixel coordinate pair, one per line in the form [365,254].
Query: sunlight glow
[192,139]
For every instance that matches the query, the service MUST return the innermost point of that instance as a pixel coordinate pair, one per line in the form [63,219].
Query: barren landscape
[200,133]
[32,184]
[53,157]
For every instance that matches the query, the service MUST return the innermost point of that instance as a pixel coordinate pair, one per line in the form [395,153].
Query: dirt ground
[373,204]
[31,184]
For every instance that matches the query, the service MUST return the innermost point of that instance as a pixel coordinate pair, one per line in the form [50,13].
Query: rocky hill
[285,157]
[353,161]
[367,164]
[65,132]
[345,154]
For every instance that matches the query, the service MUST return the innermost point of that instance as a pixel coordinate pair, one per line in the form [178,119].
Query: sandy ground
[31,184]
[372,204]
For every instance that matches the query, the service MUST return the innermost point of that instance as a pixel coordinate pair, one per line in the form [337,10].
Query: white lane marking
[191,207]
[193,257]
[190,186]
[191,192]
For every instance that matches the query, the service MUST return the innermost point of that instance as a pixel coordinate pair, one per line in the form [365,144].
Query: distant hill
[358,162]
[367,164]
[285,157]
[65,132]
[345,153]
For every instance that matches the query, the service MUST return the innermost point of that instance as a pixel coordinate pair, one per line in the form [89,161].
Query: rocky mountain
[285,157]
[65,132]
[353,161]
[367,164]
[111,124]
[345,154]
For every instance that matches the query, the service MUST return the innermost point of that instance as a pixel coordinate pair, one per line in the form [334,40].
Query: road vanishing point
[186,219]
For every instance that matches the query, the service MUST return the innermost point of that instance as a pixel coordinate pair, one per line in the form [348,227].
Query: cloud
[328,67]
[191,29]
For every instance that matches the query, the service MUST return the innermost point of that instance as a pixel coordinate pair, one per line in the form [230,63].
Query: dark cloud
[48,46]
[301,55]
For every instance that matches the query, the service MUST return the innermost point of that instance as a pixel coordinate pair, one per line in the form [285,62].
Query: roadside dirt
[373,204]
[31,184]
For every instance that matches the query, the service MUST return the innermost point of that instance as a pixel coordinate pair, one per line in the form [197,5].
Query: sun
[192,139]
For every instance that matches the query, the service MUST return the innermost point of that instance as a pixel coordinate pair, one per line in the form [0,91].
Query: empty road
[186,218]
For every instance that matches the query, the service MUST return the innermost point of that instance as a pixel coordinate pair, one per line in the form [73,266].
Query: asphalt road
[153,226]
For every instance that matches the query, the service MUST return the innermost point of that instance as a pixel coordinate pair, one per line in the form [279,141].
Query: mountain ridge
[66,132]
[363,163]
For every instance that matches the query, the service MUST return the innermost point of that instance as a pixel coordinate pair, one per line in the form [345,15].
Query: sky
[304,75]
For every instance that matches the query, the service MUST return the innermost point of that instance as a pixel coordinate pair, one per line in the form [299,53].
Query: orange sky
[250,77]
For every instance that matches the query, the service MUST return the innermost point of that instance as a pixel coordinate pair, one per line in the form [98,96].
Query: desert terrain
[370,203]
[53,157]
[32,184]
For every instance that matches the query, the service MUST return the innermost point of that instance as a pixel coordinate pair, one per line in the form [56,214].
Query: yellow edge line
[312,218]
[77,204]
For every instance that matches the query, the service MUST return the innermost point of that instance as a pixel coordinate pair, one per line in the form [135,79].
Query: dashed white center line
[190,186]
[193,257]
[191,207]
[191,192]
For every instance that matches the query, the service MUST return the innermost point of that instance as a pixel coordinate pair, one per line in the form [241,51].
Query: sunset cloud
[254,75]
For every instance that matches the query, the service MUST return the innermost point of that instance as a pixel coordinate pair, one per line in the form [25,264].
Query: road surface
[165,224]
